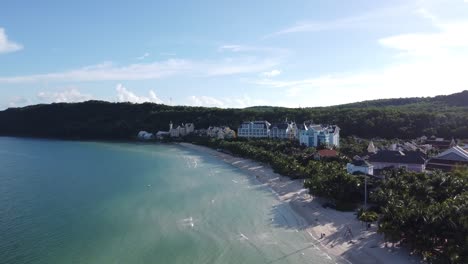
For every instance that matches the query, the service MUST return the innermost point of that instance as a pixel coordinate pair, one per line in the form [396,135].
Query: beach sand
[362,246]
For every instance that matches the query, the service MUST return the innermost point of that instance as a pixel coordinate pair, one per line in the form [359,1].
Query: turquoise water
[91,202]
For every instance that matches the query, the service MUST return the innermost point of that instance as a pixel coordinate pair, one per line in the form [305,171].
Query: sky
[295,53]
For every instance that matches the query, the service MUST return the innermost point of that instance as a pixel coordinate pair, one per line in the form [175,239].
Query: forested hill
[445,116]
[457,99]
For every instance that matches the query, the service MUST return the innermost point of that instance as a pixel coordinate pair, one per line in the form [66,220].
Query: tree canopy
[428,213]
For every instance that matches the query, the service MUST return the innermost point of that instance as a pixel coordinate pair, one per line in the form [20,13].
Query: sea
[102,202]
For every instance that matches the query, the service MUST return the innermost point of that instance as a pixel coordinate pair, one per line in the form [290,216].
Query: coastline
[366,247]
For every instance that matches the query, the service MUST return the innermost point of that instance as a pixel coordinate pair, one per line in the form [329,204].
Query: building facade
[409,160]
[181,130]
[449,159]
[284,130]
[360,166]
[223,132]
[254,129]
[317,135]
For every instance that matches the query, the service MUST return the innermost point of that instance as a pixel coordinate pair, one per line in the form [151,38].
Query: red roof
[327,153]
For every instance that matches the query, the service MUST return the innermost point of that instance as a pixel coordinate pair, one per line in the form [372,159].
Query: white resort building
[284,130]
[313,135]
[182,130]
[223,132]
[254,129]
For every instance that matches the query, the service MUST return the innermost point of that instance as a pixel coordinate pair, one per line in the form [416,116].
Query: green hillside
[445,116]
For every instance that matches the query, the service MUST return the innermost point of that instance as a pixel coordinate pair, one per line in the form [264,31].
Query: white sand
[366,245]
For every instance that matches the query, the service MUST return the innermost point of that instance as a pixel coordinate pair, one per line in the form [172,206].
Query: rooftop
[280,125]
[327,153]
[264,123]
[361,163]
[454,153]
[392,156]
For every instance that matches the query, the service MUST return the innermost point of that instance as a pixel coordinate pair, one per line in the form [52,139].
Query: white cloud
[270,51]
[372,18]
[314,26]
[449,36]
[234,48]
[150,71]
[19,101]
[271,73]
[124,95]
[108,72]
[144,56]
[67,96]
[237,66]
[428,77]
[154,98]
[294,91]
[7,45]
[167,54]
[72,95]
[434,63]
[225,102]
[206,101]
[426,14]
[245,101]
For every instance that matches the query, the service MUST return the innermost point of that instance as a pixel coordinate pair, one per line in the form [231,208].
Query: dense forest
[445,116]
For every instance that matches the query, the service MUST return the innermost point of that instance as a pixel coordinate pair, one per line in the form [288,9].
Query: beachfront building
[449,159]
[223,132]
[254,129]
[181,130]
[410,160]
[143,135]
[359,166]
[200,132]
[162,134]
[312,135]
[285,130]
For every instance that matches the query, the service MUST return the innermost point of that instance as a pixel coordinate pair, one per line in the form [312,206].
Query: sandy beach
[361,246]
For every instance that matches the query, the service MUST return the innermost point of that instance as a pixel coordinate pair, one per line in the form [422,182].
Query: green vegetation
[445,116]
[285,157]
[330,180]
[427,213]
[367,216]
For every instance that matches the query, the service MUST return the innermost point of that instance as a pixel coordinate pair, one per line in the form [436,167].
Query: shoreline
[366,245]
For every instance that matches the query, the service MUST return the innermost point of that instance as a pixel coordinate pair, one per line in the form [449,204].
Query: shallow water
[93,202]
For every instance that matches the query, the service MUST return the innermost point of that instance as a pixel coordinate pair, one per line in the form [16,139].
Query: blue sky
[231,53]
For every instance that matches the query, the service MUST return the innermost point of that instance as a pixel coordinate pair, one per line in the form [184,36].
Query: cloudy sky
[231,53]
